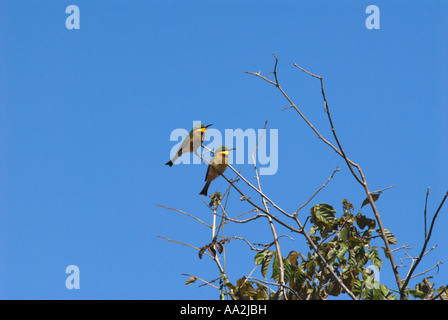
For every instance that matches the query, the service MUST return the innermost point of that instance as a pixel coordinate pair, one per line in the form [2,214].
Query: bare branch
[361,179]
[258,207]
[271,224]
[422,253]
[318,190]
[381,190]
[287,108]
[228,219]
[340,151]
[424,272]
[424,212]
[405,246]
[190,215]
[327,110]
[185,244]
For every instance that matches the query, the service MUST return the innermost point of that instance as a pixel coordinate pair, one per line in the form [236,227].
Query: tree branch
[187,214]
[340,151]
[271,224]
[318,190]
[422,252]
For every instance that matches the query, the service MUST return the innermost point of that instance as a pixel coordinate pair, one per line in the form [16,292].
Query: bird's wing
[184,147]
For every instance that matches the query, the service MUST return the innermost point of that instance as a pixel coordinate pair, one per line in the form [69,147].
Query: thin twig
[318,190]
[426,206]
[422,253]
[185,244]
[327,110]
[286,108]
[381,190]
[424,272]
[191,246]
[190,215]
[405,246]
[214,223]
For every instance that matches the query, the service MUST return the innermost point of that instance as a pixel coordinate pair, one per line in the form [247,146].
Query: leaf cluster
[425,290]
[243,290]
[345,243]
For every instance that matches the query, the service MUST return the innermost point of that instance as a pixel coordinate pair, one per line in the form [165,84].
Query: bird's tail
[205,189]
[171,162]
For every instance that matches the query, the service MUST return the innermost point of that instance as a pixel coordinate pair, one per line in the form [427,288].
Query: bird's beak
[205,128]
[227,151]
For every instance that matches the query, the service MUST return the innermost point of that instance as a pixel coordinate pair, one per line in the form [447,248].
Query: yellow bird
[191,143]
[218,164]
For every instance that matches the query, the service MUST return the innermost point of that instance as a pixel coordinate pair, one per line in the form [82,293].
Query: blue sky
[86,117]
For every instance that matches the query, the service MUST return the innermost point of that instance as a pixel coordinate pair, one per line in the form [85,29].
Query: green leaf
[444,293]
[357,256]
[299,276]
[264,258]
[349,277]
[347,206]
[275,267]
[368,293]
[390,237]
[417,293]
[259,257]
[287,269]
[331,255]
[342,251]
[265,264]
[357,287]
[344,234]
[362,257]
[310,267]
[375,258]
[375,197]
[363,221]
[384,290]
[334,289]
[324,213]
[367,236]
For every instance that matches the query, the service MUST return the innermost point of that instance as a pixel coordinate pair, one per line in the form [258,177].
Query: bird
[191,143]
[218,164]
